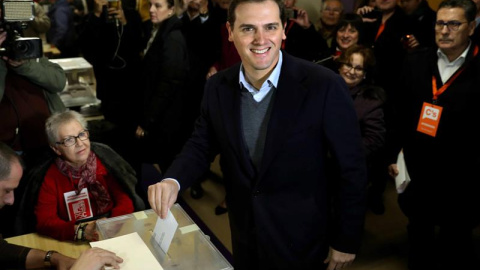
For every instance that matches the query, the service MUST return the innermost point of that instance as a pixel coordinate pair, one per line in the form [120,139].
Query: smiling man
[441,152]
[274,119]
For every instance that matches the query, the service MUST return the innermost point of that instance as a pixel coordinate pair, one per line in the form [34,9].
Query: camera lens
[21,47]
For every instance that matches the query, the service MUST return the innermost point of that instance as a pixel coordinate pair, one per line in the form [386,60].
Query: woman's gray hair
[56,120]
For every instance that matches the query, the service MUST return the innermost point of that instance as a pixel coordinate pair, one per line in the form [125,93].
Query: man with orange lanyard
[303,40]
[438,110]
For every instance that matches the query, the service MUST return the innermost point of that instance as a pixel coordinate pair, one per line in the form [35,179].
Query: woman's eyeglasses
[348,67]
[72,140]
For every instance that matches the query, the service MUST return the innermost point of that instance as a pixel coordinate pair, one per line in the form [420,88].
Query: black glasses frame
[69,142]
[451,25]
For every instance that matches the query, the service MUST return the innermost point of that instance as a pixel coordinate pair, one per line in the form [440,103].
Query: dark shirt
[12,256]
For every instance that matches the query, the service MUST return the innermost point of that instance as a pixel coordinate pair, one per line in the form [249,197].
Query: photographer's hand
[140,132]
[302,18]
[98,7]
[14,63]
[3,36]
[118,14]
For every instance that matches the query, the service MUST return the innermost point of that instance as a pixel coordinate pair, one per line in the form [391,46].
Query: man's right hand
[162,196]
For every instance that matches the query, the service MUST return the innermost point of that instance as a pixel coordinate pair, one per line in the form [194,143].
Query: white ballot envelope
[165,230]
[132,250]
[402,179]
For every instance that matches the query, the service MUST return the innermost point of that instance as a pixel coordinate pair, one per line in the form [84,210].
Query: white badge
[78,206]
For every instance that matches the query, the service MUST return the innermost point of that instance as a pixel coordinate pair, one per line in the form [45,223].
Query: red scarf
[88,179]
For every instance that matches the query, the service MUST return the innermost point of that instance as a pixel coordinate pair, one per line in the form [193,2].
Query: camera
[374,14]
[14,18]
[291,13]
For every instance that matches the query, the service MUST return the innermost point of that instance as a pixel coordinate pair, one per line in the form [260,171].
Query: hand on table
[96,259]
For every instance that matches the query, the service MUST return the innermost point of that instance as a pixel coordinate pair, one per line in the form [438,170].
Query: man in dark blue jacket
[274,119]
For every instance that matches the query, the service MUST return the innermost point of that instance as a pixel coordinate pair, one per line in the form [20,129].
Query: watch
[48,257]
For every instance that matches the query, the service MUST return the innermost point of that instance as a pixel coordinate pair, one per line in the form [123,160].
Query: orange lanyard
[438,92]
[380,30]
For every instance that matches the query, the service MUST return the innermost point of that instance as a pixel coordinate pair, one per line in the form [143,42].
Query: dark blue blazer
[281,213]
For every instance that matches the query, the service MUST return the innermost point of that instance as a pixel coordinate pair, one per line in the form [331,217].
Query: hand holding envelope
[402,179]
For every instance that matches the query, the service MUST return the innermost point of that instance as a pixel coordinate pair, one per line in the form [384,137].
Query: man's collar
[271,80]
[463,55]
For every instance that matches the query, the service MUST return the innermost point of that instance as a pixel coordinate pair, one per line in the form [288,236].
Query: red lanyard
[438,92]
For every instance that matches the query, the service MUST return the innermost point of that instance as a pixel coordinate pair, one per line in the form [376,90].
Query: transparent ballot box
[81,84]
[190,248]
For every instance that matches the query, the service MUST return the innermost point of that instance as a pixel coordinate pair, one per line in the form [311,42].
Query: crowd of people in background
[153,58]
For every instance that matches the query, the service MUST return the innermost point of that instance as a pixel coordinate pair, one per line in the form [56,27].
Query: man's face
[290,3]
[386,5]
[9,184]
[409,6]
[453,42]
[223,4]
[195,4]
[331,13]
[257,34]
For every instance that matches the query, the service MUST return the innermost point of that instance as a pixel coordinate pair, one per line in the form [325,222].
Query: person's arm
[35,260]
[46,210]
[19,257]
[61,19]
[47,75]
[374,130]
[41,22]
[12,256]
[346,147]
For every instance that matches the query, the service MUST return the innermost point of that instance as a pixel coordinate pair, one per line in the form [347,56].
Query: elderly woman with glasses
[82,182]
[369,100]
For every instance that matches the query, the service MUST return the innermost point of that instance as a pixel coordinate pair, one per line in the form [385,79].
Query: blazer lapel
[229,97]
[288,101]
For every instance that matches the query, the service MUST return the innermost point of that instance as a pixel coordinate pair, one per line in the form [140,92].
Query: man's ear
[472,25]
[55,149]
[230,30]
